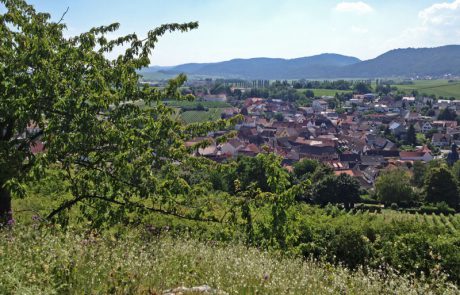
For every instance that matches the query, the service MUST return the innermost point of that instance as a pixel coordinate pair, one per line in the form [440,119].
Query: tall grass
[36,260]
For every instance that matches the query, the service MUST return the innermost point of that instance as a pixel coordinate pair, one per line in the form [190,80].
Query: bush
[439,208]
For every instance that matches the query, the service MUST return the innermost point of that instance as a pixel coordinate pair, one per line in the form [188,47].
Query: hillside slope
[409,62]
[40,261]
[269,68]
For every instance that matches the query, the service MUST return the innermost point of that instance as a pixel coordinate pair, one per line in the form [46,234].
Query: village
[371,133]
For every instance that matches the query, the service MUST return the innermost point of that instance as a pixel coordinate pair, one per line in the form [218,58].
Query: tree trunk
[6,215]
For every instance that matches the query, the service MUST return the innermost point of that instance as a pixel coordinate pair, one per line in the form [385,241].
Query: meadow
[438,88]
[187,111]
[47,260]
[193,104]
[189,114]
[324,92]
[201,116]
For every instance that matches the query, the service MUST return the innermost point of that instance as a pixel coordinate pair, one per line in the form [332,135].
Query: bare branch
[63,15]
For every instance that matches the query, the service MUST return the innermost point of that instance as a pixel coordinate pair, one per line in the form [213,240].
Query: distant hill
[408,62]
[268,68]
[154,69]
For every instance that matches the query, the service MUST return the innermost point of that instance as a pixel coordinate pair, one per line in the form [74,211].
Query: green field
[434,87]
[324,92]
[201,116]
[190,104]
[213,110]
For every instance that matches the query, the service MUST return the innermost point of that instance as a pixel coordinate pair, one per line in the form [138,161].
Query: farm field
[191,104]
[324,92]
[212,112]
[201,116]
[434,87]
[441,222]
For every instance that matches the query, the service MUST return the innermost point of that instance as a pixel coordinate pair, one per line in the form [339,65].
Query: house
[349,172]
[372,160]
[370,173]
[231,147]
[426,127]
[287,132]
[208,151]
[397,128]
[250,150]
[229,112]
[319,105]
[354,101]
[412,116]
[424,156]
[369,96]
[408,99]
[307,110]
[440,140]
[315,149]
[442,103]
[444,124]
[381,108]
[248,122]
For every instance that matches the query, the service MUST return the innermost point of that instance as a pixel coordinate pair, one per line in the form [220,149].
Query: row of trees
[434,183]
[427,184]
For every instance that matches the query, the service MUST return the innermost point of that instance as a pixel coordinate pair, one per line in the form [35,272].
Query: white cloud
[356,7]
[441,14]
[437,25]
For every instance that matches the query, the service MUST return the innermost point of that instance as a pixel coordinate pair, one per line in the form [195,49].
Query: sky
[269,28]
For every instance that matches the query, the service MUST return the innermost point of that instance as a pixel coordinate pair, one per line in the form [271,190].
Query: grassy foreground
[50,261]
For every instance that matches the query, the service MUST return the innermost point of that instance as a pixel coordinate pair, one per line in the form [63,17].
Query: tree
[337,189]
[411,137]
[309,93]
[349,190]
[456,170]
[447,114]
[393,186]
[441,186]
[418,173]
[279,117]
[362,88]
[305,166]
[113,151]
[263,171]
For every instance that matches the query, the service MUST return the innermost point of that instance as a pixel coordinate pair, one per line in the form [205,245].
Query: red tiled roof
[348,172]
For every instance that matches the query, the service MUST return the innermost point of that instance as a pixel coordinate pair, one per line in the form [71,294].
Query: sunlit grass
[49,261]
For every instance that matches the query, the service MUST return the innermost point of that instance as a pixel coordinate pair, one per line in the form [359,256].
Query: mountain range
[408,62]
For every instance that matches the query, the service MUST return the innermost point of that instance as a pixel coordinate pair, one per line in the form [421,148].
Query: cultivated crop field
[201,116]
[443,223]
[192,104]
[212,110]
[434,87]
[325,92]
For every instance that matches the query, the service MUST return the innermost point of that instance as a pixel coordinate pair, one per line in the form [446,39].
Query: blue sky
[253,28]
